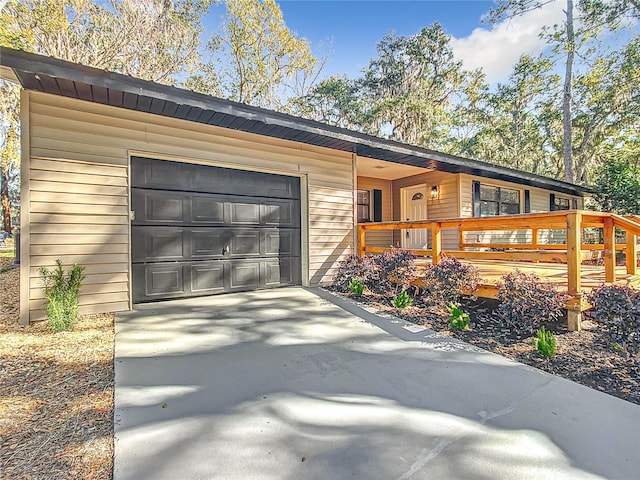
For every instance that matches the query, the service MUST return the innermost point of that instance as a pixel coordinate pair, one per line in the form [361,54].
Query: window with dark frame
[494,201]
[364,206]
[560,203]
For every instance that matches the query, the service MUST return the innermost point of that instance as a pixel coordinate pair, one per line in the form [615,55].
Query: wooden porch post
[361,240]
[436,243]
[609,250]
[574,285]
[632,254]
[534,237]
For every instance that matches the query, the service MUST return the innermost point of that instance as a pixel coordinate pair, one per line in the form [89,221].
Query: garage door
[199,230]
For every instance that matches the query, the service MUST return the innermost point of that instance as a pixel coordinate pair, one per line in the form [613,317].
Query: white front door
[414,207]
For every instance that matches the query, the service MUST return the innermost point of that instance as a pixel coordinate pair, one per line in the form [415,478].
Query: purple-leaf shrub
[446,281]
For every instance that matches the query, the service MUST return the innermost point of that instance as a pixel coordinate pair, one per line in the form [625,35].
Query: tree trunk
[566,98]
[4,196]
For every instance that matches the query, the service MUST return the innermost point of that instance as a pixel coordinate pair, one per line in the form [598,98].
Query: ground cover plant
[61,290]
[593,356]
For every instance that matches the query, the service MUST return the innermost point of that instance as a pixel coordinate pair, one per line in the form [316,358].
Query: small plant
[525,302]
[458,318]
[545,342]
[617,310]
[392,271]
[352,267]
[356,287]
[402,300]
[447,281]
[61,290]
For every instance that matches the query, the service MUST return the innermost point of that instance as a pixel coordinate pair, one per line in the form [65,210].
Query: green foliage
[617,187]
[61,290]
[458,318]
[526,302]
[545,342]
[402,300]
[446,281]
[352,268]
[617,310]
[356,286]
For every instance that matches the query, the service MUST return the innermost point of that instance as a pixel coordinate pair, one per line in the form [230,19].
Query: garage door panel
[209,243]
[150,173]
[207,209]
[157,244]
[283,213]
[278,272]
[157,207]
[244,213]
[208,277]
[244,275]
[163,280]
[246,243]
[282,242]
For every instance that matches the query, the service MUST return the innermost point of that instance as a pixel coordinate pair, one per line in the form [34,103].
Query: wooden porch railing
[572,221]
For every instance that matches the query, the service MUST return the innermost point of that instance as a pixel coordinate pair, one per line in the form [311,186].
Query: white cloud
[497,49]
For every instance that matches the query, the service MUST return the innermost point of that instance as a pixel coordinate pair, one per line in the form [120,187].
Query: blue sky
[353,28]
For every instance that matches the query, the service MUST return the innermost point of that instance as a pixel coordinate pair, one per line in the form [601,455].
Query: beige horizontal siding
[79,157]
[379,238]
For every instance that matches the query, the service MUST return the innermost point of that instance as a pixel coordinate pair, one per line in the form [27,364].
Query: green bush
[61,290]
[546,342]
[402,300]
[525,302]
[356,287]
[458,318]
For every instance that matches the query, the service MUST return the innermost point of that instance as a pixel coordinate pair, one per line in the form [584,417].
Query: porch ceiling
[369,167]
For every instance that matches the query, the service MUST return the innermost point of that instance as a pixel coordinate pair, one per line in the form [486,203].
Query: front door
[414,207]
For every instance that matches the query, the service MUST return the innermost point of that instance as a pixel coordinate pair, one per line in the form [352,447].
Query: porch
[573,265]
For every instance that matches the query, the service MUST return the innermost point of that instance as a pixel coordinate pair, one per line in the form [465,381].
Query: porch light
[435,192]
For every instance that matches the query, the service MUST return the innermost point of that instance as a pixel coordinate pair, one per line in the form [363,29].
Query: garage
[204,230]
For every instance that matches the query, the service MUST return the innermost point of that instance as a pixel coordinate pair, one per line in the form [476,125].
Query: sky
[353,28]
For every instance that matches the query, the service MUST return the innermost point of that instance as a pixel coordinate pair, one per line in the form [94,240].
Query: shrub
[356,286]
[352,268]
[445,282]
[617,309]
[525,302]
[545,342]
[458,318]
[61,290]
[392,271]
[402,300]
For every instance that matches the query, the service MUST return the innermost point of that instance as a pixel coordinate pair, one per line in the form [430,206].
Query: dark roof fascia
[360,143]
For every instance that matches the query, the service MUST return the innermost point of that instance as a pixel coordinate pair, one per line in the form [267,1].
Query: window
[364,204]
[560,203]
[491,201]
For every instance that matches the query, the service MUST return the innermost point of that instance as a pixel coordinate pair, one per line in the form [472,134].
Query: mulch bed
[56,394]
[585,357]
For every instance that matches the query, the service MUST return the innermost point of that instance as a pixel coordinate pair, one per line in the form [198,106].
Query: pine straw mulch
[56,394]
[585,357]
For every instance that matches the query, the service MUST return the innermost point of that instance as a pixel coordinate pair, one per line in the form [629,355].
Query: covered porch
[573,265]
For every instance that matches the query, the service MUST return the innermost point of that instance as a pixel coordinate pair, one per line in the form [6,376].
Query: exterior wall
[76,191]
[446,206]
[539,201]
[376,238]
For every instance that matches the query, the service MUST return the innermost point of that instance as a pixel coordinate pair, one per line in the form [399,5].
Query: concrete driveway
[288,384]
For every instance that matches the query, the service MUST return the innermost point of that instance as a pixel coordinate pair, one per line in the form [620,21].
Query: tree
[334,101]
[510,119]
[412,86]
[617,184]
[9,147]
[256,57]
[566,40]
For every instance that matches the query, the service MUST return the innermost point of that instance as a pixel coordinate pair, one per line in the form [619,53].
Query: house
[164,193]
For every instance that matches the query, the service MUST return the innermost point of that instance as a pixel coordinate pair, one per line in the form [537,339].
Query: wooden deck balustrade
[567,258]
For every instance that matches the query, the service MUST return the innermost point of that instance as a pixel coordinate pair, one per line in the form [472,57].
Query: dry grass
[56,394]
